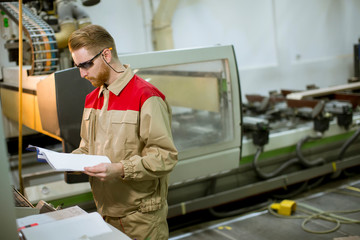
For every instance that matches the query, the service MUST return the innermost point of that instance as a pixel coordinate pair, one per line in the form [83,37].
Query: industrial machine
[227,150]
[231,146]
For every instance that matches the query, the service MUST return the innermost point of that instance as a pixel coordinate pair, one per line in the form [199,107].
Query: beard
[101,78]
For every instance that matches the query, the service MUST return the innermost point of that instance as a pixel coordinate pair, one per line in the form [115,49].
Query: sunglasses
[88,64]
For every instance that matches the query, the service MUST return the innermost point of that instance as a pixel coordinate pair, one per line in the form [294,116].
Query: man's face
[91,67]
[102,76]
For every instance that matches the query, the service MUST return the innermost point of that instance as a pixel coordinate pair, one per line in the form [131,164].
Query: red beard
[101,78]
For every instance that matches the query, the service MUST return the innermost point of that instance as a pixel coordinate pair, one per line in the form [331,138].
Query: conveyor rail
[44,48]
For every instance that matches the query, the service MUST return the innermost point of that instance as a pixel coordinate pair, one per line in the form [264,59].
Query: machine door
[202,87]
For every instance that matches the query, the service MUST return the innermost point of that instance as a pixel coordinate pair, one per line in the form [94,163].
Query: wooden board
[322,91]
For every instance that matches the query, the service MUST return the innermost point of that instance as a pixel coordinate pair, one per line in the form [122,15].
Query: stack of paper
[50,216]
[68,161]
[71,223]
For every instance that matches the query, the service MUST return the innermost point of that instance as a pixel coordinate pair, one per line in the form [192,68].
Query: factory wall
[279,44]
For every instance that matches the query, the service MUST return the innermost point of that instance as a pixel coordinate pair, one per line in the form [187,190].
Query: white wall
[279,44]
[129,22]
[284,44]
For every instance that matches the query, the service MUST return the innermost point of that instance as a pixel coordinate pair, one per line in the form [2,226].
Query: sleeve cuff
[129,170]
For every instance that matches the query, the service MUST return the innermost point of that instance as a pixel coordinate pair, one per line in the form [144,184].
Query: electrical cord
[239,211]
[315,213]
[231,213]
[293,193]
[301,157]
[305,186]
[264,175]
[348,143]
[343,149]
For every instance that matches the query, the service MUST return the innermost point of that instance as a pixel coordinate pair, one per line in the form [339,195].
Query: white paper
[50,216]
[68,161]
[79,227]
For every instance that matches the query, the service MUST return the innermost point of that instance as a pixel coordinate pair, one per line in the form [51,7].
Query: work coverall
[129,121]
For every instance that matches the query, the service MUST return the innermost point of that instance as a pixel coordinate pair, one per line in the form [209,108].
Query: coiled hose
[315,213]
[344,148]
[264,175]
[301,157]
[348,143]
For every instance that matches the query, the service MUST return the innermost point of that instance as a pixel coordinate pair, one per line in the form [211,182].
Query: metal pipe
[20,97]
[66,10]
[66,21]
[162,30]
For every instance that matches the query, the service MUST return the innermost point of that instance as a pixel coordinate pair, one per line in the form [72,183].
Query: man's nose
[83,72]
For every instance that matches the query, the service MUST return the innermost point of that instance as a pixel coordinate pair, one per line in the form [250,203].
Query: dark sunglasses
[88,64]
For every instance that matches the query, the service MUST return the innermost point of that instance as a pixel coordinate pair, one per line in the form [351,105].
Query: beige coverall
[130,122]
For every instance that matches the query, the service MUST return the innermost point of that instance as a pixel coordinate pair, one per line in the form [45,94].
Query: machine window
[200,97]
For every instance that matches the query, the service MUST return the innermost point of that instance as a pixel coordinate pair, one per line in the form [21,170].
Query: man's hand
[106,171]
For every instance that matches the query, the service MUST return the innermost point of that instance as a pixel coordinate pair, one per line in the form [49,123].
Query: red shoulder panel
[133,96]
[92,100]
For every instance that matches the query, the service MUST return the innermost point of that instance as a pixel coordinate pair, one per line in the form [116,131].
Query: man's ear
[107,55]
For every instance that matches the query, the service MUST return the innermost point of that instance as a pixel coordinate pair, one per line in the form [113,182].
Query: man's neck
[114,75]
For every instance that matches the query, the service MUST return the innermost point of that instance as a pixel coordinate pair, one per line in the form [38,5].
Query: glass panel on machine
[200,97]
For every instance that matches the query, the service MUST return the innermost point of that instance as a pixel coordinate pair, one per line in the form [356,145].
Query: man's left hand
[105,171]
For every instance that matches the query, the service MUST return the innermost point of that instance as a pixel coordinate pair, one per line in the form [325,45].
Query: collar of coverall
[119,83]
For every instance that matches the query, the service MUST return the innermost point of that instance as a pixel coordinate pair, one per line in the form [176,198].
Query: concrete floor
[336,195]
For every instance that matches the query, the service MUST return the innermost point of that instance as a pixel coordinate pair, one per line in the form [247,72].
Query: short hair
[93,38]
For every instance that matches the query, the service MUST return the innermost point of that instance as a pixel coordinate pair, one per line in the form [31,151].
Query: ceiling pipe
[71,16]
[161,26]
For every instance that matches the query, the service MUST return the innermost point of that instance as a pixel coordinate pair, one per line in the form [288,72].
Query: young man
[128,120]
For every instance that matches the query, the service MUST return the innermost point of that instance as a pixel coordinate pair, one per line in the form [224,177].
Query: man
[128,120]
